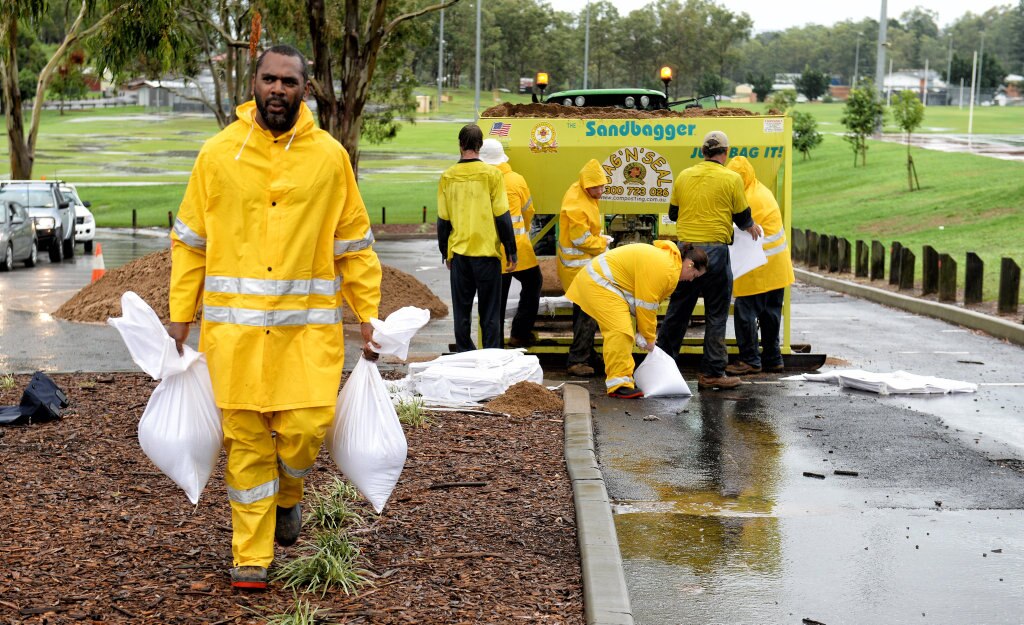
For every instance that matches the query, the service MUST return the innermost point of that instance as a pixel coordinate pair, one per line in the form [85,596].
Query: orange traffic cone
[97,264]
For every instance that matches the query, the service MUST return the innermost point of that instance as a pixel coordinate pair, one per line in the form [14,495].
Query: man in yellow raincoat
[631,281]
[761,292]
[580,240]
[271,235]
[527,271]
[707,199]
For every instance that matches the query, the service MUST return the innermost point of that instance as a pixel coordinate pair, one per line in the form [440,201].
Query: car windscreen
[32,197]
[71,194]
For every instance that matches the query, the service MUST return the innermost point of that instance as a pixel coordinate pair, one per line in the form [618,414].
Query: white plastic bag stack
[180,429]
[474,376]
[366,440]
[658,376]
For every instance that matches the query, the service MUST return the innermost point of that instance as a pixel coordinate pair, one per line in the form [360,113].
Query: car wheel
[34,256]
[88,247]
[8,261]
[69,246]
[57,249]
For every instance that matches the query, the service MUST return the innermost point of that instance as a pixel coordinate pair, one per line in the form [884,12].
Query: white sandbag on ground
[474,376]
[659,376]
[896,382]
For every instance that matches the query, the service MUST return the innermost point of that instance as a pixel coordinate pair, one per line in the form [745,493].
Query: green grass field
[968,203]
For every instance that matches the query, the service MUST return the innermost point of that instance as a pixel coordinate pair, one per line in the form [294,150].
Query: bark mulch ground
[94,533]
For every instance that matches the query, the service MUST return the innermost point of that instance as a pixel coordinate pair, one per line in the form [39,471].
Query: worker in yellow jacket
[631,281]
[580,240]
[761,292]
[270,236]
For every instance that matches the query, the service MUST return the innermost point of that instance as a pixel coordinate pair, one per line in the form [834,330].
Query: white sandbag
[659,376]
[745,254]
[180,430]
[474,376]
[395,333]
[892,383]
[366,439]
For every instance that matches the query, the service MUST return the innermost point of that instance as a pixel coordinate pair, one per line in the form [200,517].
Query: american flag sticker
[500,129]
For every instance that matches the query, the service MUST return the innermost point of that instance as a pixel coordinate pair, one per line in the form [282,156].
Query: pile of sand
[506,109]
[523,399]
[549,271]
[150,277]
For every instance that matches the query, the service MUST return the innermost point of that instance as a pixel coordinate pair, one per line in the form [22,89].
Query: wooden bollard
[383,214]
[424,214]
[929,270]
[1009,286]
[799,244]
[906,269]
[862,259]
[833,254]
[812,249]
[947,278]
[170,220]
[877,260]
[824,242]
[974,279]
[845,256]
[894,262]
[135,219]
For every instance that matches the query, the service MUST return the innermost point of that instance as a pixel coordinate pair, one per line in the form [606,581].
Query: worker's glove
[643,343]
[608,238]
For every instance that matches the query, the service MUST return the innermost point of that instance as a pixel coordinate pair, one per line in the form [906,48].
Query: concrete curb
[605,597]
[994,326]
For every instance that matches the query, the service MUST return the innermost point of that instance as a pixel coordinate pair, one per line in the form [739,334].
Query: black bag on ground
[42,401]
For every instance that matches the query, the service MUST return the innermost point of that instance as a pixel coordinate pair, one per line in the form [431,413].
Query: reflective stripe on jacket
[778,271]
[579,224]
[271,236]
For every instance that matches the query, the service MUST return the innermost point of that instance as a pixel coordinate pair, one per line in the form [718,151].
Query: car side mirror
[64,204]
[17,219]
[87,204]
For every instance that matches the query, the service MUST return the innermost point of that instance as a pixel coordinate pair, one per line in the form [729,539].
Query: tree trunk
[20,156]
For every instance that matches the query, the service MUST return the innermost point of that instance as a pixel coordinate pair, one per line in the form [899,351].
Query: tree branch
[408,16]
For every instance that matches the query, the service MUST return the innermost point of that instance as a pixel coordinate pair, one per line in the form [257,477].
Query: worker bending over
[632,280]
[580,240]
[760,293]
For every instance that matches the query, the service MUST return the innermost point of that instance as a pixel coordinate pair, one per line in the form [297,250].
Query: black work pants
[530,282]
[479,276]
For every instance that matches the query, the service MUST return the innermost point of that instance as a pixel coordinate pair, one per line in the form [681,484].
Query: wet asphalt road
[716,521]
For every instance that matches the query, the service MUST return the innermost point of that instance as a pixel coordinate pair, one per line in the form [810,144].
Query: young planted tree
[908,113]
[761,86]
[805,133]
[812,83]
[862,112]
[782,100]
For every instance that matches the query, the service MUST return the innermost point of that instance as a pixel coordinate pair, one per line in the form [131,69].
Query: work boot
[580,370]
[249,577]
[779,368]
[741,368]
[724,381]
[289,524]
[624,392]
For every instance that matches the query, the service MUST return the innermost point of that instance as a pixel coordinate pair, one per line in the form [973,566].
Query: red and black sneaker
[249,577]
[625,392]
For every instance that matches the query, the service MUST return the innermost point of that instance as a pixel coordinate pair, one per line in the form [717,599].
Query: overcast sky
[781,14]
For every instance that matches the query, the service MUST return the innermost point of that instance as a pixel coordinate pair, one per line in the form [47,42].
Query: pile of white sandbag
[474,376]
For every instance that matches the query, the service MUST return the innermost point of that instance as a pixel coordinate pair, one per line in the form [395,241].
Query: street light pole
[880,57]
[981,65]
[476,96]
[856,60]
[586,47]
[440,62]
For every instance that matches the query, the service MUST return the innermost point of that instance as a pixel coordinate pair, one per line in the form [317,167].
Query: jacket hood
[246,113]
[742,166]
[592,175]
[673,251]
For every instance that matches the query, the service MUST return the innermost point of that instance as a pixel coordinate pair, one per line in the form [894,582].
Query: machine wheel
[57,248]
[34,256]
[8,261]
[88,247]
[69,246]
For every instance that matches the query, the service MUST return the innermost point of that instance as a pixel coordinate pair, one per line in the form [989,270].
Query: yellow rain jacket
[520,208]
[628,281]
[777,273]
[271,234]
[579,224]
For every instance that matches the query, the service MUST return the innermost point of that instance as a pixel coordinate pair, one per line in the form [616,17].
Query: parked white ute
[85,223]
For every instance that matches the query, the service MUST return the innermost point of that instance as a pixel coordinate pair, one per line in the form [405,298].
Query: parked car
[54,214]
[85,223]
[17,236]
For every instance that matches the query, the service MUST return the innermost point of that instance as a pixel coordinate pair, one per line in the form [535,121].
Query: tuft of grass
[411,413]
[7,382]
[302,613]
[329,561]
[331,507]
